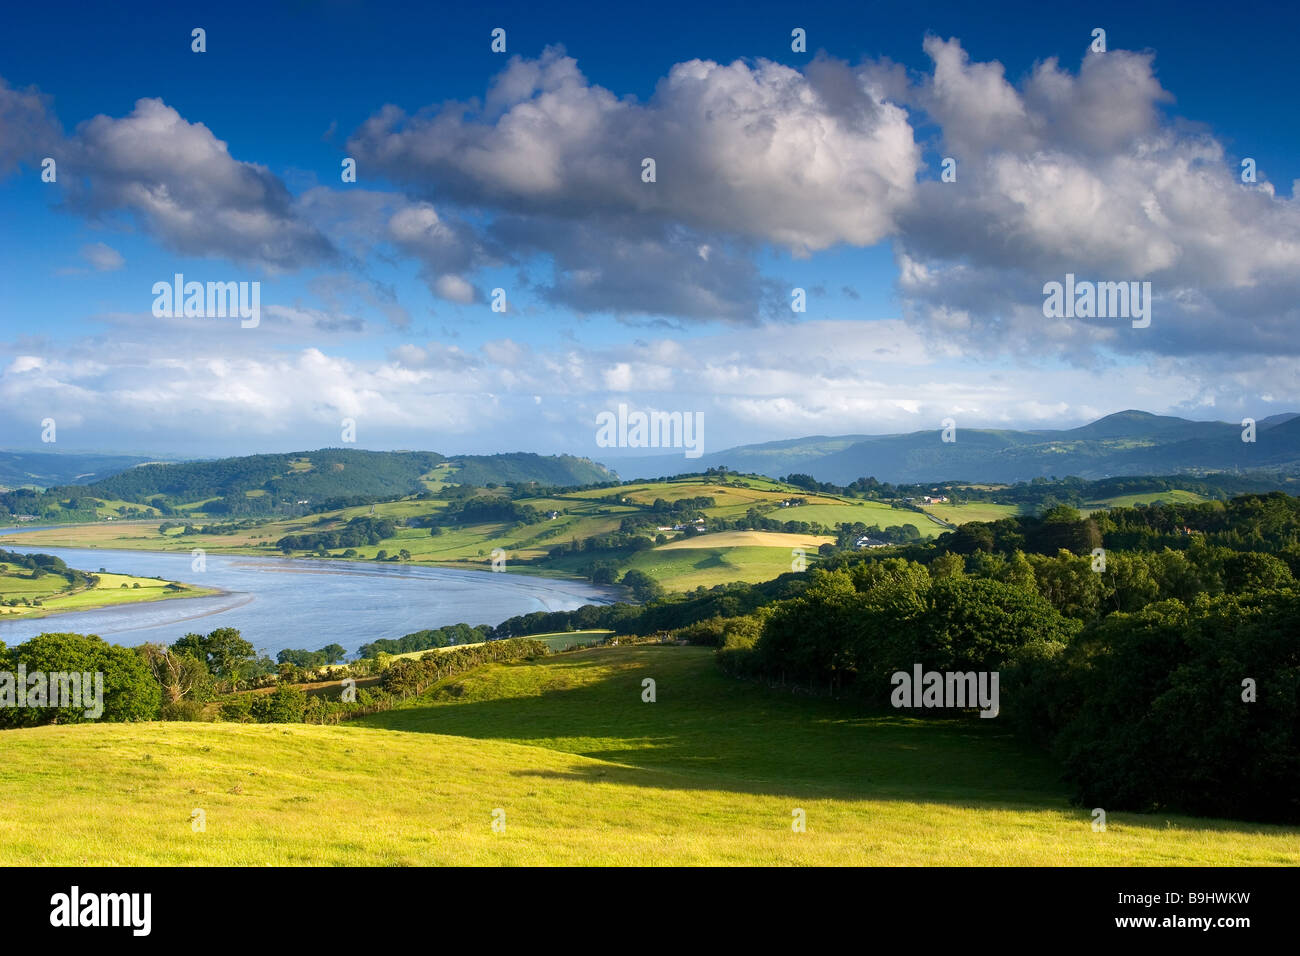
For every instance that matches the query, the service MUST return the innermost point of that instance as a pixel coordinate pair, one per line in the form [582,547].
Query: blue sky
[777,170]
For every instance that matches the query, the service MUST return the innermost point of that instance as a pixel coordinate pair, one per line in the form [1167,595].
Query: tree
[334,653]
[644,588]
[947,566]
[284,705]
[227,655]
[129,690]
[1154,712]
[181,676]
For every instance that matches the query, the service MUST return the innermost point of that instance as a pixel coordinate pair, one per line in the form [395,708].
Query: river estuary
[278,603]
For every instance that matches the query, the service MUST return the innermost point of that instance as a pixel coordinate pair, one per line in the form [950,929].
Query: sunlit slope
[585,772]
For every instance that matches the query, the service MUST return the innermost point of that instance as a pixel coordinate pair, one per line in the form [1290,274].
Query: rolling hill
[276,483]
[1126,443]
[579,770]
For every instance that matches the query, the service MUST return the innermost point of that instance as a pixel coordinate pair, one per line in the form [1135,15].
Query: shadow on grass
[739,735]
[706,731]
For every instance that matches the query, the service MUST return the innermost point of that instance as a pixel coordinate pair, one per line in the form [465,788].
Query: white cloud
[1080,173]
[454,289]
[182,185]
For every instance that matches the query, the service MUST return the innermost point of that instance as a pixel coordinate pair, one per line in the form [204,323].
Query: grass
[738,539]
[112,589]
[1173,496]
[972,511]
[556,641]
[685,569]
[586,773]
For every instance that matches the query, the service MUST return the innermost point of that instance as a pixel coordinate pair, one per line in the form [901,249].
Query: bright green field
[112,589]
[556,641]
[1176,496]
[586,773]
[972,511]
[562,640]
[685,569]
[867,512]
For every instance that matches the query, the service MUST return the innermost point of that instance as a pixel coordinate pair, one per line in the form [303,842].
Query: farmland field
[1173,496]
[719,558]
[972,511]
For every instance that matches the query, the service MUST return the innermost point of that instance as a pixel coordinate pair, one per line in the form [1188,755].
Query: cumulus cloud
[744,154]
[641,268]
[1080,173]
[181,185]
[753,150]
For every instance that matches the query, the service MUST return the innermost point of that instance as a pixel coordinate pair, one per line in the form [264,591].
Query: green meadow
[575,768]
[1173,496]
[112,589]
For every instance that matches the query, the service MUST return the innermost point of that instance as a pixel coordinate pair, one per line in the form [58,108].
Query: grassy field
[972,511]
[1175,496]
[747,539]
[584,773]
[556,641]
[113,589]
[684,569]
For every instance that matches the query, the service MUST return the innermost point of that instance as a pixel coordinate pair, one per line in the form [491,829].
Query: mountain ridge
[1129,442]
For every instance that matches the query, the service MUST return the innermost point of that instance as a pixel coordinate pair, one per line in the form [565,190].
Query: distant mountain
[1281,419]
[1126,443]
[42,469]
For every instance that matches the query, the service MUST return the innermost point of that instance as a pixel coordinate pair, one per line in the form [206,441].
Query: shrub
[182,710]
[238,709]
[406,677]
[284,705]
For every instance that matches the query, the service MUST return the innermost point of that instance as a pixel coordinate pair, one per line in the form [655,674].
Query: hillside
[292,483]
[584,773]
[1126,443]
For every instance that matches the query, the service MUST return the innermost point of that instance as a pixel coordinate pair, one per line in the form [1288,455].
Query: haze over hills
[44,469]
[1131,442]
[1126,443]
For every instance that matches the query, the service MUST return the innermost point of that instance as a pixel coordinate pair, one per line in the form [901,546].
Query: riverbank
[25,595]
[118,536]
[279,602]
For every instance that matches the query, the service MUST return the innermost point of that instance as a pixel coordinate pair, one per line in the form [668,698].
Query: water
[279,602]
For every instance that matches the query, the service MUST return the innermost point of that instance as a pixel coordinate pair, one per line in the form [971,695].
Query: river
[278,603]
